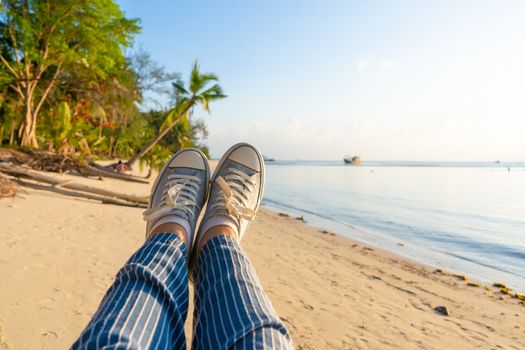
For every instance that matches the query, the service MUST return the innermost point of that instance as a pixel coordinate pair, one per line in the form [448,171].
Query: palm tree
[199,92]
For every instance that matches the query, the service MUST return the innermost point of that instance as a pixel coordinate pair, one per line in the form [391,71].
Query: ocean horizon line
[404,163]
[340,160]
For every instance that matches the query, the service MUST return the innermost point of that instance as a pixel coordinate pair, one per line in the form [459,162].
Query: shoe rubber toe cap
[248,157]
[189,159]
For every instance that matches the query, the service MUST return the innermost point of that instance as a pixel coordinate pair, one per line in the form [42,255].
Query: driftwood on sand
[97,170]
[57,189]
[56,162]
[76,189]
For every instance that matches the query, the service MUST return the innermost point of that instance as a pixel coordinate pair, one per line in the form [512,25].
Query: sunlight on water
[464,217]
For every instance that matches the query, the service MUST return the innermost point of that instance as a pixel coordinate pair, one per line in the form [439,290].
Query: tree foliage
[42,41]
[66,84]
[202,88]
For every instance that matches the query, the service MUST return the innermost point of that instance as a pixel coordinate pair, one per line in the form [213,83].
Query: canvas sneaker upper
[180,190]
[237,188]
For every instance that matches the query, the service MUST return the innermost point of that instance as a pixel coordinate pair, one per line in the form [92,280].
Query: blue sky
[403,80]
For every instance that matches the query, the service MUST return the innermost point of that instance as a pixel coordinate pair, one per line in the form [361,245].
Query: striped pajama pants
[147,305]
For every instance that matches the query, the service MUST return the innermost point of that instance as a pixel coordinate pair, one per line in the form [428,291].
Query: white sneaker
[237,187]
[179,192]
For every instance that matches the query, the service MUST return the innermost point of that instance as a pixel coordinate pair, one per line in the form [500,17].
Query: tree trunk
[115,147]
[27,132]
[149,146]
[155,140]
[12,135]
[110,150]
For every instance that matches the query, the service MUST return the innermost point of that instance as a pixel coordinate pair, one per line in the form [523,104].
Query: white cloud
[363,64]
[366,63]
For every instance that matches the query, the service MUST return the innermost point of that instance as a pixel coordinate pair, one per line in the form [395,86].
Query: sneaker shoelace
[180,194]
[236,189]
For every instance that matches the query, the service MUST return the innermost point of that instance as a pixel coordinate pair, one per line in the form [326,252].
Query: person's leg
[148,302]
[147,305]
[231,308]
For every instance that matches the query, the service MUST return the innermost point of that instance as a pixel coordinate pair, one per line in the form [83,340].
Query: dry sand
[58,255]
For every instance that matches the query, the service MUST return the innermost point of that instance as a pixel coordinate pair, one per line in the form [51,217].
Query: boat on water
[355,160]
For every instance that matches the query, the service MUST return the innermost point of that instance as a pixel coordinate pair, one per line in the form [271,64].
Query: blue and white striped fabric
[147,305]
[231,308]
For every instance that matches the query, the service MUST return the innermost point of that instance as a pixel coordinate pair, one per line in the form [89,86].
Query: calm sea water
[464,217]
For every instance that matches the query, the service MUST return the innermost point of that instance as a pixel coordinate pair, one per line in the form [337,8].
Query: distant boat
[355,160]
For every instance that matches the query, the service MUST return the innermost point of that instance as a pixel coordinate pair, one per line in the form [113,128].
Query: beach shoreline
[58,256]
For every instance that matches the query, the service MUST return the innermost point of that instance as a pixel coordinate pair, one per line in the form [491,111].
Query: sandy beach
[58,256]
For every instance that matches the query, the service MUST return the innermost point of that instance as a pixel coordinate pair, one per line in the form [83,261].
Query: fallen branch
[11,154]
[97,170]
[58,162]
[80,195]
[41,160]
[60,183]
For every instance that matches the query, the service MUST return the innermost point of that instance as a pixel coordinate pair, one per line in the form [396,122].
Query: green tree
[201,90]
[40,41]
[102,106]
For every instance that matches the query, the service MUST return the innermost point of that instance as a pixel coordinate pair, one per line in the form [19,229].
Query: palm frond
[178,87]
[204,102]
[195,83]
[198,81]
[214,93]
[208,77]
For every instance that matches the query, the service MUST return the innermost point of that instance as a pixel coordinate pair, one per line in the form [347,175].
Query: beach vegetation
[200,90]
[44,44]
[70,84]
